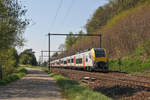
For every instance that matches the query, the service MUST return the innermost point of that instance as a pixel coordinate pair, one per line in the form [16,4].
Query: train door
[62,63]
[74,61]
[83,60]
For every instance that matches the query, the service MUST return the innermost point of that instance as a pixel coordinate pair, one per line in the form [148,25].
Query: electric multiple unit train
[95,59]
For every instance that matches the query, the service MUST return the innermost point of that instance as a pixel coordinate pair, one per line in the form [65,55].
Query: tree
[27,57]
[14,56]
[80,35]
[70,40]
[12,24]
[104,13]
[9,61]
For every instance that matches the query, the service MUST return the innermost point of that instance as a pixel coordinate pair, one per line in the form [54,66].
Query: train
[94,59]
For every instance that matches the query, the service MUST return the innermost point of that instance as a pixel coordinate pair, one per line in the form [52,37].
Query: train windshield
[99,52]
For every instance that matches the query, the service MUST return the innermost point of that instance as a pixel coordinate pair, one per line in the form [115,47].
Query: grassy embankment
[18,74]
[75,91]
[132,65]
[137,63]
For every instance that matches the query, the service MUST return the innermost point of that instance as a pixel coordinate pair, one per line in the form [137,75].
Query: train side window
[69,61]
[79,61]
[65,62]
[86,59]
[72,60]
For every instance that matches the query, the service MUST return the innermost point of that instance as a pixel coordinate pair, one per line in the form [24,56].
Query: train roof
[80,52]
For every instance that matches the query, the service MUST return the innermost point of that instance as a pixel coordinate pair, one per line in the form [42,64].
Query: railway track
[110,80]
[122,79]
[125,81]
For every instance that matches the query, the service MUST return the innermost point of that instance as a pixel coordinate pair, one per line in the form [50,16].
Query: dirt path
[36,85]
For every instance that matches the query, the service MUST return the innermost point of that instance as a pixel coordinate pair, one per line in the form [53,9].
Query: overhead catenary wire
[68,12]
[57,11]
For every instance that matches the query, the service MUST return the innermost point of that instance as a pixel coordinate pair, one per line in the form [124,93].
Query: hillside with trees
[104,13]
[124,24]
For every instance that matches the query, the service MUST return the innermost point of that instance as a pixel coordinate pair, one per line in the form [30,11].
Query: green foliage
[130,64]
[11,78]
[21,69]
[70,40]
[140,50]
[27,57]
[20,72]
[146,47]
[133,64]
[108,11]
[9,61]
[80,35]
[12,24]
[13,56]
[143,48]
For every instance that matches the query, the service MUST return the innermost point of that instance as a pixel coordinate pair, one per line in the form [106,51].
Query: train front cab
[100,59]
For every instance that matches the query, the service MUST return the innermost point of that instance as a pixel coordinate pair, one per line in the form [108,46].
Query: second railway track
[122,79]
[111,80]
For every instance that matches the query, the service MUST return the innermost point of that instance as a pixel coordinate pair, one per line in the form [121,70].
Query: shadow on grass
[117,92]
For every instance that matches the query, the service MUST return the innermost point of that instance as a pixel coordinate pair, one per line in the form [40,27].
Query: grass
[130,65]
[18,74]
[74,91]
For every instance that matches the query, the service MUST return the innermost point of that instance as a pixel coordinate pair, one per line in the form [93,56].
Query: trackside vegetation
[75,91]
[137,62]
[18,74]
[130,64]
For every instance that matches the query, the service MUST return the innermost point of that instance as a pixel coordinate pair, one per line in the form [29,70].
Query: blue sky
[72,17]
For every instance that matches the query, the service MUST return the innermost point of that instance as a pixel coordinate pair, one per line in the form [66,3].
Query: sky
[55,16]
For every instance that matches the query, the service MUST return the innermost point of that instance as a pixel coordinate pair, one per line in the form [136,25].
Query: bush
[20,72]
[130,64]
[3,82]
[21,69]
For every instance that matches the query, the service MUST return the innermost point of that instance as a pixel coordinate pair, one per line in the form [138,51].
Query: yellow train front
[92,59]
[100,59]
